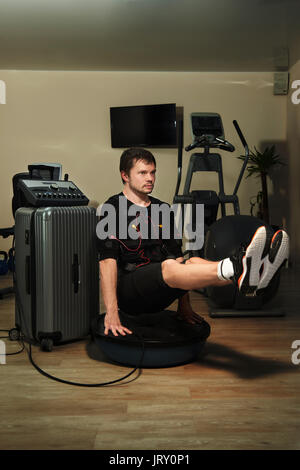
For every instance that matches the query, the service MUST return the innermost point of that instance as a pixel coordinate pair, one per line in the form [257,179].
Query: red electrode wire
[141,253]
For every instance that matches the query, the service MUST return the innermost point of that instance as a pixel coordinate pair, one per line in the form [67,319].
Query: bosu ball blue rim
[161,339]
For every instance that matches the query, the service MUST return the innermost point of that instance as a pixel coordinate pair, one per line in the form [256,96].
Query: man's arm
[108,283]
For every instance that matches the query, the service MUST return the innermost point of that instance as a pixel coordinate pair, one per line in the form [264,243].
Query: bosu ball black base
[160,339]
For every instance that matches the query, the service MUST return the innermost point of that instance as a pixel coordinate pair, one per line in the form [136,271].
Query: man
[148,273]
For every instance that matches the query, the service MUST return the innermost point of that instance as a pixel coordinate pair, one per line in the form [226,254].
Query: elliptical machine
[222,236]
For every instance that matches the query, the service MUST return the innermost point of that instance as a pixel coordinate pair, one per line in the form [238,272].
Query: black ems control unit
[43,193]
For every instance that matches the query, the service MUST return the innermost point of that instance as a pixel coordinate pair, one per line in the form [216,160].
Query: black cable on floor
[57,379]
[14,353]
[78,384]
[103,384]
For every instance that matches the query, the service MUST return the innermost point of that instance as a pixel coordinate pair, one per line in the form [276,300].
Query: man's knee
[192,260]
[168,269]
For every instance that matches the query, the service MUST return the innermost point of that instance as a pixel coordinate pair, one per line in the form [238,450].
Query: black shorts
[145,291]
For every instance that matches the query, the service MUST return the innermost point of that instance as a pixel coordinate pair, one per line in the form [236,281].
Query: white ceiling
[185,35]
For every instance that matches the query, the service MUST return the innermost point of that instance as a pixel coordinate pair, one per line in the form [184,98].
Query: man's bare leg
[197,259]
[192,274]
[243,267]
[184,308]
[186,311]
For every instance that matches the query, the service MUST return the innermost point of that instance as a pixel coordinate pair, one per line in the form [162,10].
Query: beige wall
[293,139]
[64,117]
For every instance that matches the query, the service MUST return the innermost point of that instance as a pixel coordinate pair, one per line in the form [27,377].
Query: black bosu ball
[159,339]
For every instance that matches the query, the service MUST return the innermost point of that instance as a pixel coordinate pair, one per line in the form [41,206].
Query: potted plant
[260,165]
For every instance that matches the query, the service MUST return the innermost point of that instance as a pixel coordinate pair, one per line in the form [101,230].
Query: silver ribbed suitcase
[56,276]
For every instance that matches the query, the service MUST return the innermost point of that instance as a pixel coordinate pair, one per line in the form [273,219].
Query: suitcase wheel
[47,344]
[14,334]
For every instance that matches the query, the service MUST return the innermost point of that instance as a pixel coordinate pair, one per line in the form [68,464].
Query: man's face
[141,177]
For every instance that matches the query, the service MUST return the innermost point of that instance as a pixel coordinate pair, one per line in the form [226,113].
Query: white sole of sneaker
[252,261]
[280,255]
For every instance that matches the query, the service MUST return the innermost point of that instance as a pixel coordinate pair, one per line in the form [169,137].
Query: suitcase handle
[76,273]
[27,274]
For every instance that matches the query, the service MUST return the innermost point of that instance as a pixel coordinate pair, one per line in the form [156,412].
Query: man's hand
[112,323]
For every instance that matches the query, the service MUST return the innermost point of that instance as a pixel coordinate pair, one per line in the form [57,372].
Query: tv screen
[143,126]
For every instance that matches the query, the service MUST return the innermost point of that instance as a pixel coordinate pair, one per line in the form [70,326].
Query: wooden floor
[242,394]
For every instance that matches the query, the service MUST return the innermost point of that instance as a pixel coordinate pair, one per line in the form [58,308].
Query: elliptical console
[207,131]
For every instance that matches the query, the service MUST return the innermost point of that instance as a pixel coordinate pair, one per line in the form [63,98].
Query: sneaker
[247,261]
[275,259]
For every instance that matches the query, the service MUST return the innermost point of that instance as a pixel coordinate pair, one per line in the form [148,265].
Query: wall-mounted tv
[143,126]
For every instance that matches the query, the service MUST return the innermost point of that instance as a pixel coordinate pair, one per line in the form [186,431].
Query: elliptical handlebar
[205,141]
[240,134]
[197,143]
[190,147]
[245,145]
[225,145]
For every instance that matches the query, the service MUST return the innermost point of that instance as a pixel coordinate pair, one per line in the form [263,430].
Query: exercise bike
[221,236]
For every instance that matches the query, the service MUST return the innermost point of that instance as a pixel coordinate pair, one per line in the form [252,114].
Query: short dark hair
[130,156]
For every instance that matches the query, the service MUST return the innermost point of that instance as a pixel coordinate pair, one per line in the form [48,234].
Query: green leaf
[261,162]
